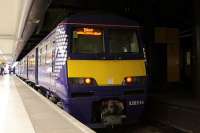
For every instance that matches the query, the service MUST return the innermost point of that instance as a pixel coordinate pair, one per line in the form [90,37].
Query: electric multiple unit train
[93,66]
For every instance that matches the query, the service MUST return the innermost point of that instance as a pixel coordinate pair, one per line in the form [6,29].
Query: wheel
[47,94]
[60,104]
[39,90]
[53,99]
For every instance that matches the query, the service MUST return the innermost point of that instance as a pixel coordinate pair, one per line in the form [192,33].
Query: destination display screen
[88,41]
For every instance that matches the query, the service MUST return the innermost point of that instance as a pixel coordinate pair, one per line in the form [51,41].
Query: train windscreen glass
[123,41]
[88,41]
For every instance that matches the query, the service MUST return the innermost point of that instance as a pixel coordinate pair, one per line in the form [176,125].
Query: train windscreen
[88,41]
[123,41]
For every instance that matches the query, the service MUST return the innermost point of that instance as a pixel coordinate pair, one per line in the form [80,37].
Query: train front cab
[106,75]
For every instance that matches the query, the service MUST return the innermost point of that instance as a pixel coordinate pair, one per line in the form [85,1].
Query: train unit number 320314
[136,102]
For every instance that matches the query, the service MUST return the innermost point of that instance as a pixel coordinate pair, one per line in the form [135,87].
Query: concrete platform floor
[22,110]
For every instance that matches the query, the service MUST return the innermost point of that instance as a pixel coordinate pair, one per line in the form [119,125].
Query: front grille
[82,94]
[134,92]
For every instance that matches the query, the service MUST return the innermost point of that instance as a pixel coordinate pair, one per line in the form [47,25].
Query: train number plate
[136,102]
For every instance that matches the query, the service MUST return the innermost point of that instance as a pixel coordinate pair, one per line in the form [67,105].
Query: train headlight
[82,82]
[88,81]
[140,80]
[129,80]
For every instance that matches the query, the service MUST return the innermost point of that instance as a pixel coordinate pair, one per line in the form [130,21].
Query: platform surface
[23,110]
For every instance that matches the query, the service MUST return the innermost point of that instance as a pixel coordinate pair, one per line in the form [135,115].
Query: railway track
[141,128]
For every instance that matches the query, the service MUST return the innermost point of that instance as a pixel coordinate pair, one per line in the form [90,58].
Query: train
[92,66]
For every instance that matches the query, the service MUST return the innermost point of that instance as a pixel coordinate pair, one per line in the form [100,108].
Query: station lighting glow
[89,31]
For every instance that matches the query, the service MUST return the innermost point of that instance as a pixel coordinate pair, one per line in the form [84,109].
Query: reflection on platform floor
[23,110]
[13,115]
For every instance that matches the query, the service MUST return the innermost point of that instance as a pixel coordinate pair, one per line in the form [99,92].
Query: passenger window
[43,54]
[53,59]
[40,56]
[32,61]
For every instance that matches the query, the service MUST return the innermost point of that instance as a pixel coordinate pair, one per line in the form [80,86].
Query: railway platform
[23,110]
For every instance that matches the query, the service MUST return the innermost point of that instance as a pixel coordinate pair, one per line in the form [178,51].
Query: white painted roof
[12,14]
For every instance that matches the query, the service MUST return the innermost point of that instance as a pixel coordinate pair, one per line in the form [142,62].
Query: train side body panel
[51,69]
[44,66]
[24,65]
[31,66]
[59,69]
[19,68]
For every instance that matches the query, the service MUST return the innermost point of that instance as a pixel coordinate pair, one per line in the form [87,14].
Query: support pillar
[149,38]
[196,49]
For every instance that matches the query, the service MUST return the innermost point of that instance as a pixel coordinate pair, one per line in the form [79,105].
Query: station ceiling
[12,14]
[25,22]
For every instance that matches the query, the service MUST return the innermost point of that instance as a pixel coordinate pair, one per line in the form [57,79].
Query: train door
[49,63]
[36,66]
[26,67]
[53,51]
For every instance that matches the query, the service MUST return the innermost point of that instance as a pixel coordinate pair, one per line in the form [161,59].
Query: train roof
[99,19]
